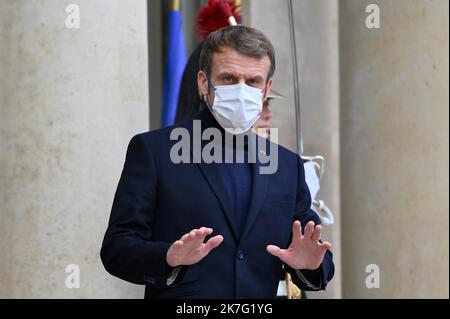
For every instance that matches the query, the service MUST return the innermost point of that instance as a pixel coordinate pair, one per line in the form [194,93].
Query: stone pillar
[394,148]
[70,100]
[316,27]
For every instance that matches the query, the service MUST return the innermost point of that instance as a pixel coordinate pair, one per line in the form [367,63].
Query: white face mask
[236,107]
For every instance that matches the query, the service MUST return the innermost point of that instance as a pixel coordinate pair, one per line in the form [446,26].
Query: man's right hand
[190,249]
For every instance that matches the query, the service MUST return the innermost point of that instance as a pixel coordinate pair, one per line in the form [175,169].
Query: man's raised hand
[190,248]
[305,251]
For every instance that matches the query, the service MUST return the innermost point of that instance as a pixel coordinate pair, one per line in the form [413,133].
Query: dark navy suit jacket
[157,202]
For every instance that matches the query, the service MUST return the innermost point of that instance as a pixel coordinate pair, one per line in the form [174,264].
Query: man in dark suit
[188,222]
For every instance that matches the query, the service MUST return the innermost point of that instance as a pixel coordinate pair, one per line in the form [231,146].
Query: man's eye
[228,79]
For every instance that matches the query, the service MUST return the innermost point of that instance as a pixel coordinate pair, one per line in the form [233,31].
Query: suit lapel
[259,188]
[210,172]
[212,176]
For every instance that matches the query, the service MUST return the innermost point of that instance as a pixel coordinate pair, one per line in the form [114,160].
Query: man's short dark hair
[245,40]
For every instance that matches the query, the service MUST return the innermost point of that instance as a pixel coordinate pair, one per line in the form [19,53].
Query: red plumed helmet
[214,15]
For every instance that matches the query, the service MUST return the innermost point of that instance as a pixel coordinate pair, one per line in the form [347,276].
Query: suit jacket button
[240,254]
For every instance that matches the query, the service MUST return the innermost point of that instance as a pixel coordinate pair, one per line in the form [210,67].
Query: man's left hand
[305,251]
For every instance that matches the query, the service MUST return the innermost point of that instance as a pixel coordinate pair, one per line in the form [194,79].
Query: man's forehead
[229,60]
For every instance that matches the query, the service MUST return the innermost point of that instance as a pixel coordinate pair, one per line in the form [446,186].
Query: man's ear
[202,82]
[267,89]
